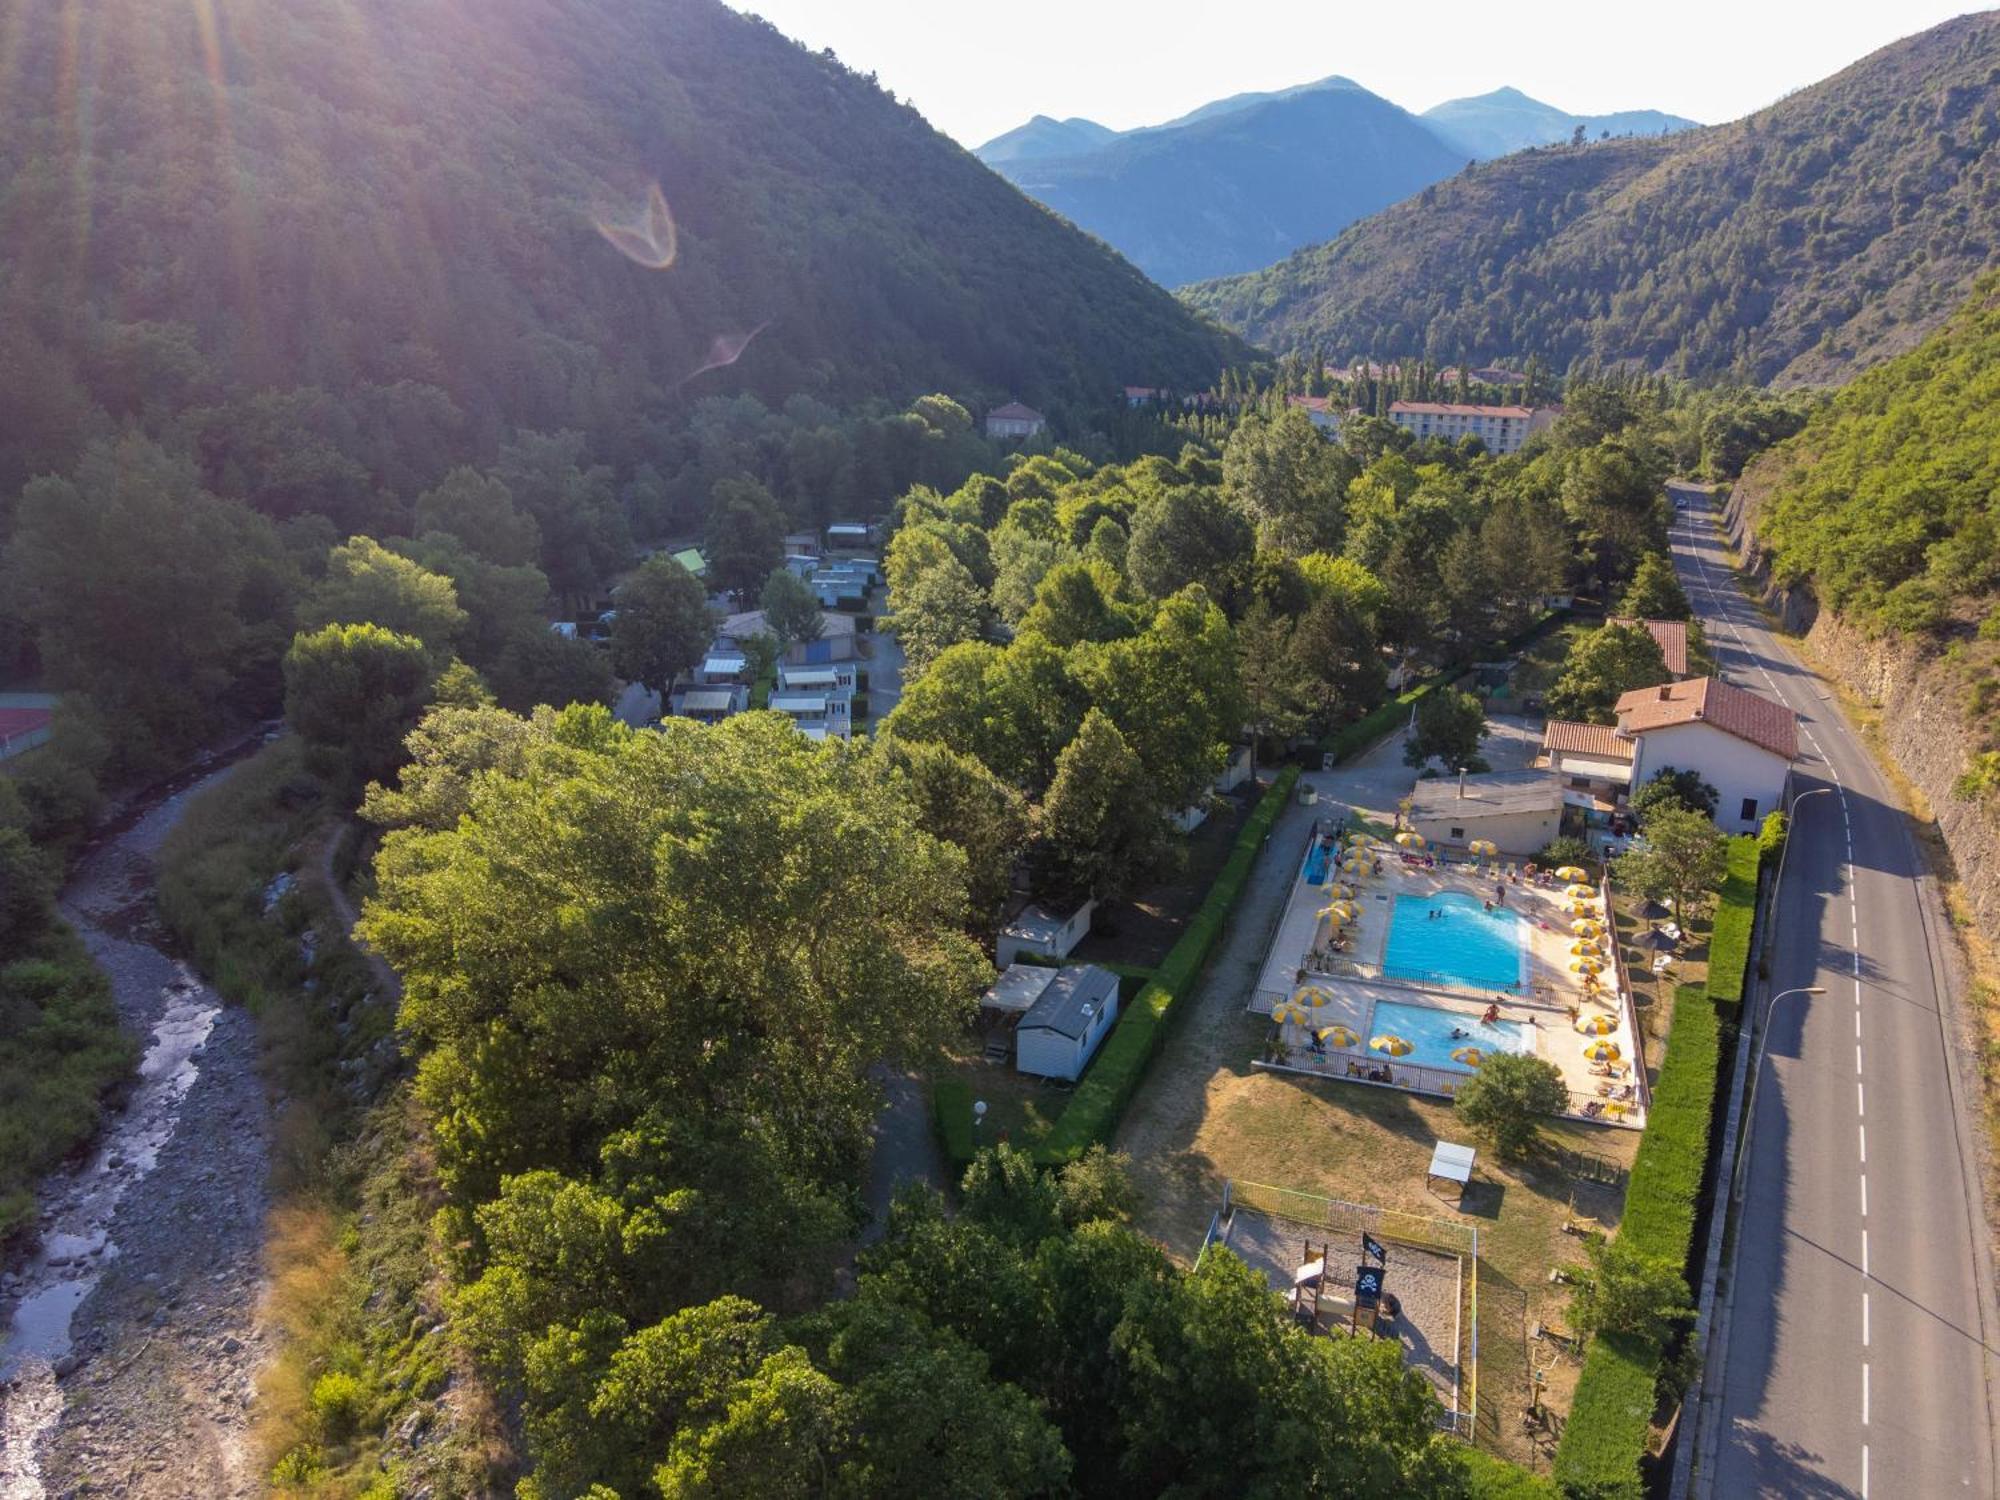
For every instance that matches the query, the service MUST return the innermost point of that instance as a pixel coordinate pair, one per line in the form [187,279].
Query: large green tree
[1602,666]
[745,538]
[367,584]
[1290,479]
[1192,535]
[1682,856]
[352,692]
[1450,726]
[1101,830]
[1655,592]
[662,625]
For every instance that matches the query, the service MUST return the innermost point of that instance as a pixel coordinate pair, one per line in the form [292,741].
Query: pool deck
[1353,983]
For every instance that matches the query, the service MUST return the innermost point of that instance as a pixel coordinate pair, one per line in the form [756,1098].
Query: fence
[1442,1083]
[1392,1225]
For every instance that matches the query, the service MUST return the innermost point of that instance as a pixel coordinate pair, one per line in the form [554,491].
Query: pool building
[1408,968]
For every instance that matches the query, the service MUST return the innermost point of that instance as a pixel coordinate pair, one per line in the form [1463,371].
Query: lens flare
[724,350]
[648,238]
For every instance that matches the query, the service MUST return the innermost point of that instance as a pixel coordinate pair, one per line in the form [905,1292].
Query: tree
[942,608]
[1450,726]
[960,801]
[352,692]
[544,667]
[1076,602]
[1101,829]
[1655,592]
[1290,479]
[1672,788]
[1192,535]
[1624,1290]
[133,578]
[503,605]
[1508,1097]
[480,513]
[662,625]
[1681,855]
[746,536]
[1602,666]
[367,584]
[790,608]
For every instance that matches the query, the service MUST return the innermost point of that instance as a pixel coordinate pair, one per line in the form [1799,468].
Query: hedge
[1490,1478]
[1611,1414]
[1371,726]
[1114,1076]
[1729,941]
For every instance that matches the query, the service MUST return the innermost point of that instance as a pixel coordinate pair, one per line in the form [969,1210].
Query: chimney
[1666,692]
[1461,783]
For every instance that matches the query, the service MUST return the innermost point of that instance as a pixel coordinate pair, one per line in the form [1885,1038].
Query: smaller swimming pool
[1429,1032]
[1317,859]
[1449,938]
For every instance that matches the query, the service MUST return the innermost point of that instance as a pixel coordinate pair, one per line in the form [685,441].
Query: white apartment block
[1501,428]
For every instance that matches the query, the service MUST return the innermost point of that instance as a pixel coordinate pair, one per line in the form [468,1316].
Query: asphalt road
[1857,1355]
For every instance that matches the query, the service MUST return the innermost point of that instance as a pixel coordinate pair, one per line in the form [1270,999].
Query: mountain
[393,206]
[1506,120]
[1042,137]
[1885,503]
[1817,236]
[1242,182]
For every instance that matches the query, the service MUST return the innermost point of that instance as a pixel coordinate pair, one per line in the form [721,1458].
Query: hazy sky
[978,67]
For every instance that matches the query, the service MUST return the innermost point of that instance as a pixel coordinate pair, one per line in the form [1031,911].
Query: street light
[1757,1067]
[1791,826]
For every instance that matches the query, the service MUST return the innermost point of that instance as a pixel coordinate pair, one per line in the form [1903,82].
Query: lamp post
[978,1116]
[1757,1067]
[1791,826]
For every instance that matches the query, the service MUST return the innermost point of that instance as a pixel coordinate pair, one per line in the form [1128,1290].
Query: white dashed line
[1864,1143]
[1864,1320]
[1864,1252]
[1864,1395]
[1857,1059]
[1864,1195]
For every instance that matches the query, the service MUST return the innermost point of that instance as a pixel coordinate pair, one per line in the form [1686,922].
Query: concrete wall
[1514,833]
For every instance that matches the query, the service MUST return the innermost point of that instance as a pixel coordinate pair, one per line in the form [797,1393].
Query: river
[132,1341]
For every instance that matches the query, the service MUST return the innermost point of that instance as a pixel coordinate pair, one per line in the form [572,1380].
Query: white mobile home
[1064,1026]
[1040,933]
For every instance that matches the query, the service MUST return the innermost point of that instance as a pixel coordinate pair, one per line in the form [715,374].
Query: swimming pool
[1429,1031]
[1462,945]
[1317,859]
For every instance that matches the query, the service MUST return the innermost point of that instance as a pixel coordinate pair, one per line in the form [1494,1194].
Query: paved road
[1857,1356]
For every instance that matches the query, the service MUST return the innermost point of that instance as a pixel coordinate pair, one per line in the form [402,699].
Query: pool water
[1429,1032]
[1463,945]
[1317,859]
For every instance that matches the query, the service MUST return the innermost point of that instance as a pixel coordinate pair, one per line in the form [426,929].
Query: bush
[1771,837]
[1508,1098]
[1610,1418]
[1113,1077]
[338,1400]
[1729,940]
[951,1103]
[1344,744]
[1562,851]
[1490,1478]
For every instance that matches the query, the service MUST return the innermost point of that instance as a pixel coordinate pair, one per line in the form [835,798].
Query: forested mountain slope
[1887,504]
[393,201]
[1241,182]
[1811,239]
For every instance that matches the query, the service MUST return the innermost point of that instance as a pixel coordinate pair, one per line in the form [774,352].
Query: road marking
[1864,1195]
[1864,1471]
[1864,1320]
[1864,1394]
[1864,1143]
[1864,1252]
[1857,1059]
[1860,1099]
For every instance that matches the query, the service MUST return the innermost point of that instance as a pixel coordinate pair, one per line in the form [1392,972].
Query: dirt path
[133,1340]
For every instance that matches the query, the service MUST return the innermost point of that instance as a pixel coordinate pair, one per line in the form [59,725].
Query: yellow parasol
[1585,927]
[1340,893]
[1482,848]
[1391,1044]
[1586,966]
[1409,838]
[1472,1057]
[1601,1051]
[1345,911]
[1585,948]
[1359,840]
[1579,893]
[1311,996]
[1596,1025]
[1572,872]
[1290,1013]
[1337,1036]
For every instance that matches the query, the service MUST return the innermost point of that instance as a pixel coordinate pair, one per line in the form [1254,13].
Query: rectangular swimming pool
[1448,938]
[1429,1032]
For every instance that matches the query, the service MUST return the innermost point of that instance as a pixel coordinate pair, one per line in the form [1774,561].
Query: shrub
[1490,1478]
[1609,1420]
[1508,1097]
[1626,1289]
[1771,837]
[1562,851]
[338,1400]
[1729,940]
[951,1102]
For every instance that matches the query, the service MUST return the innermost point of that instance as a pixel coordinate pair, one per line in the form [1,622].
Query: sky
[976,68]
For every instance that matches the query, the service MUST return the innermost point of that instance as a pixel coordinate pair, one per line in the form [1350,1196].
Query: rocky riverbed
[132,1344]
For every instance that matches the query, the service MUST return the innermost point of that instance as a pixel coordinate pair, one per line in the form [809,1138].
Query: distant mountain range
[1507,120]
[1243,181]
[1822,234]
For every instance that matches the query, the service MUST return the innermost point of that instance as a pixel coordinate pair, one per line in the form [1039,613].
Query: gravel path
[132,1345]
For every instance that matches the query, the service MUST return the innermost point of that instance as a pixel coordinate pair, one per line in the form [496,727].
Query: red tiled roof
[1601,740]
[1309,403]
[1014,411]
[1672,638]
[1770,726]
[1457,409]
